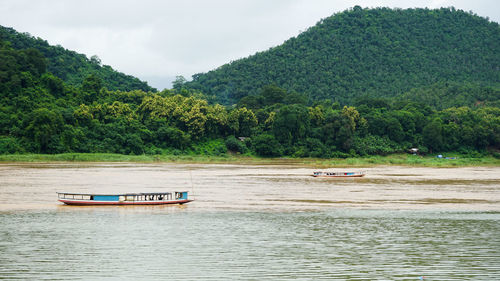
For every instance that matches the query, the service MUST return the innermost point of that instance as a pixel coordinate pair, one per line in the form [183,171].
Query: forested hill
[71,66]
[378,52]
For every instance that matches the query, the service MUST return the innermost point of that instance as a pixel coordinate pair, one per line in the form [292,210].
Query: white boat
[338,174]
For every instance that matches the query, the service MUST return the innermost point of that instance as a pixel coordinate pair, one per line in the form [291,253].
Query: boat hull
[121,203]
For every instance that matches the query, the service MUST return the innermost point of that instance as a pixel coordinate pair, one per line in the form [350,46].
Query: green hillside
[378,52]
[444,95]
[71,66]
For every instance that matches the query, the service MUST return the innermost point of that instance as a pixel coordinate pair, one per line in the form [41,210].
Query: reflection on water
[251,223]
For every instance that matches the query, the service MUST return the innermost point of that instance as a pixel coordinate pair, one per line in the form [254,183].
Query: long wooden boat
[156,198]
[338,174]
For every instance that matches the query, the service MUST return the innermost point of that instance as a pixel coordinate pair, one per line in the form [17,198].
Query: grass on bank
[395,159]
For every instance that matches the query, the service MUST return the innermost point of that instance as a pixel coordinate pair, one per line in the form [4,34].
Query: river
[251,222]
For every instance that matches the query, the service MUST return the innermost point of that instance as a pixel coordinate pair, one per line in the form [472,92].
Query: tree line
[40,113]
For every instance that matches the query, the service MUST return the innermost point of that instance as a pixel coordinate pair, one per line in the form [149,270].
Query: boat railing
[75,196]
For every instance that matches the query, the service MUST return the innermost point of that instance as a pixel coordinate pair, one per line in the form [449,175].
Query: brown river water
[251,222]
[262,188]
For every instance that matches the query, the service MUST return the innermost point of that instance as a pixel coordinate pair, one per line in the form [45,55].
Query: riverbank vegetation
[91,119]
[369,161]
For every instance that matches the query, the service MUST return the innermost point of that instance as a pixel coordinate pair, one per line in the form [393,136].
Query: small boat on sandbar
[339,174]
[156,198]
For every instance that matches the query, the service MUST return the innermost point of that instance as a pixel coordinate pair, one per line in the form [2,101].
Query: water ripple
[356,245]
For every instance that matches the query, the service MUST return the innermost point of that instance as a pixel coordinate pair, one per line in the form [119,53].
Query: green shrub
[10,145]
[210,148]
[373,145]
[339,154]
[267,145]
[235,145]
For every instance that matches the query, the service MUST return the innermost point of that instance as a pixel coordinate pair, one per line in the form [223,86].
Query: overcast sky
[157,40]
